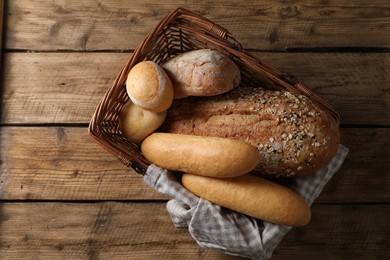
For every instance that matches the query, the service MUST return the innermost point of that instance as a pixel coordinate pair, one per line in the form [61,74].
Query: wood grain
[1,27]
[340,232]
[64,197]
[63,163]
[144,231]
[56,87]
[66,88]
[264,25]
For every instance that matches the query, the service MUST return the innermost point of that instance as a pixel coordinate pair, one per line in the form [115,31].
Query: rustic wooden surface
[1,26]
[64,197]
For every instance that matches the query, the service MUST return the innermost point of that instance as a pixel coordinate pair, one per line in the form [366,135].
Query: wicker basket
[179,32]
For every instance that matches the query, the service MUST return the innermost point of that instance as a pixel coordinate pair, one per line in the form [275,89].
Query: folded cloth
[233,233]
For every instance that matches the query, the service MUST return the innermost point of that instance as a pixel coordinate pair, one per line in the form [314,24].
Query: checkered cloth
[230,232]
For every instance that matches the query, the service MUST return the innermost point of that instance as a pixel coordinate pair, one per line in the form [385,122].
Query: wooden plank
[340,232]
[66,88]
[144,231]
[357,85]
[58,163]
[265,25]
[1,27]
[56,87]
[63,163]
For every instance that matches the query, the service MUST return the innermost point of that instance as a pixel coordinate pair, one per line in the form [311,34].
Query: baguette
[202,155]
[253,196]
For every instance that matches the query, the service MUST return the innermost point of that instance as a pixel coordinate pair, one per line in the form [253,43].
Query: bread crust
[149,87]
[202,72]
[293,135]
[201,155]
[252,195]
[137,123]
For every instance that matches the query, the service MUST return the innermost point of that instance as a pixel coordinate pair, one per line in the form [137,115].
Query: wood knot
[273,35]
[285,12]
[61,134]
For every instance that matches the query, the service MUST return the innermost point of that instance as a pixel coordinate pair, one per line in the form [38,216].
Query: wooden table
[64,197]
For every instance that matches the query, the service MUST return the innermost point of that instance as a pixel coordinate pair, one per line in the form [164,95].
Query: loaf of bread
[202,72]
[253,196]
[149,87]
[136,123]
[293,135]
[201,155]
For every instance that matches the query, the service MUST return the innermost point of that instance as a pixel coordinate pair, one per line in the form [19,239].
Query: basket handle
[203,25]
[210,27]
[303,88]
[224,38]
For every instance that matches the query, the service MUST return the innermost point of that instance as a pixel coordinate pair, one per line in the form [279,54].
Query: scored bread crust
[292,134]
[202,72]
[149,87]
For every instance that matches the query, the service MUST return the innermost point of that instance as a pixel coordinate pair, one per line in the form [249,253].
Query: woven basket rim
[205,30]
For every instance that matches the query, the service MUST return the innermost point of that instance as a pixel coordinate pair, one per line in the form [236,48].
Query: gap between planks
[65,164]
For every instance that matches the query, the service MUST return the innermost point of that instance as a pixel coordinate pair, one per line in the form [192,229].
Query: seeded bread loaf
[292,134]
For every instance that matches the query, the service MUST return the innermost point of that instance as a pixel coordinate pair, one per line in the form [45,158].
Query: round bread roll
[202,72]
[202,155]
[137,123]
[253,196]
[149,87]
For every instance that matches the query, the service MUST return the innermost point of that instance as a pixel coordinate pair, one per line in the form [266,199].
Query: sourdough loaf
[293,135]
[202,72]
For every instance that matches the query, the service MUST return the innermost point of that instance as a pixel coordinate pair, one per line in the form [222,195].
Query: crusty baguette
[253,196]
[149,87]
[202,155]
[293,135]
[202,72]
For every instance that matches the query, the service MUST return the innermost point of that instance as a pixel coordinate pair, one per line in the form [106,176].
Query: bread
[292,134]
[253,196]
[136,123]
[202,72]
[149,87]
[201,155]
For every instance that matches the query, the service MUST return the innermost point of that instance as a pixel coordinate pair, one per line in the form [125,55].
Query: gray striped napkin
[233,233]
